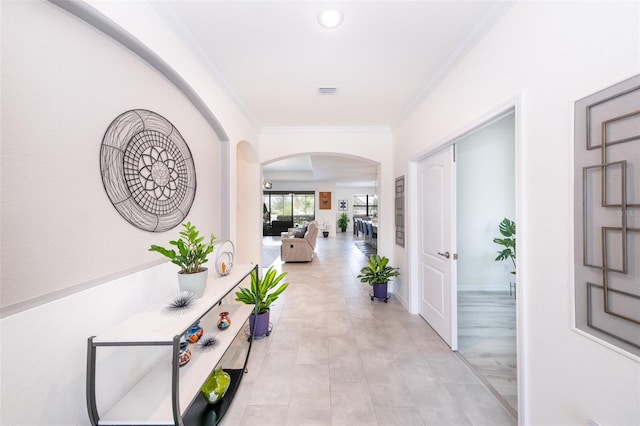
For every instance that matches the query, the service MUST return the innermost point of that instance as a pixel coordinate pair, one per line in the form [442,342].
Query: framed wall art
[607,214]
[343,205]
[399,211]
[325,201]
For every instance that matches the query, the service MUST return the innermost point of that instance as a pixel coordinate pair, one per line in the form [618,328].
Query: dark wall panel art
[607,214]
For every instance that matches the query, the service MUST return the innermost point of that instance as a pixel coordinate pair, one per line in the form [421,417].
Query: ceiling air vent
[327,90]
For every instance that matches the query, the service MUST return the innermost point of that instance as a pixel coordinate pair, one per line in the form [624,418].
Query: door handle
[445,254]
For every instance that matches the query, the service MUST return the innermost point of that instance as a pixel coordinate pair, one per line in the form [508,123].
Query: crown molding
[477,31]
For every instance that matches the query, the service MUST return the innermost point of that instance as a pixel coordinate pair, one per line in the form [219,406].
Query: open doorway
[486,293]
[303,187]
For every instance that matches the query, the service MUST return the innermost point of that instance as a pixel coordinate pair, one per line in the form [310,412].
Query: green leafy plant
[343,220]
[508,230]
[377,271]
[192,251]
[263,292]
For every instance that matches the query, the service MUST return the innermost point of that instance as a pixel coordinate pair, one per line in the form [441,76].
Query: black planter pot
[325,234]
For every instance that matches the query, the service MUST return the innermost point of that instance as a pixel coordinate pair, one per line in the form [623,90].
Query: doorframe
[515,106]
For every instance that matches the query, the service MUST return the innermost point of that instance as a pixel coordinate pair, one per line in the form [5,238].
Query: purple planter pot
[260,324]
[380,291]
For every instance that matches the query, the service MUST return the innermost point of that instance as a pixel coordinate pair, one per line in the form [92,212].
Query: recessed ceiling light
[330,18]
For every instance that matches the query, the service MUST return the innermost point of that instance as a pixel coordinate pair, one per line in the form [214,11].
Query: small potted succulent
[343,221]
[191,255]
[324,227]
[377,274]
[263,292]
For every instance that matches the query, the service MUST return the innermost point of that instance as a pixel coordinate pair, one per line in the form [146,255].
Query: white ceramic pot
[195,283]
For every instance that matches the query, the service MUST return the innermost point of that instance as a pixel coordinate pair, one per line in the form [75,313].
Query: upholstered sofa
[296,249]
[279,226]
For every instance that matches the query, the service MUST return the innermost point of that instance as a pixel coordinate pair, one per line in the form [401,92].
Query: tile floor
[334,357]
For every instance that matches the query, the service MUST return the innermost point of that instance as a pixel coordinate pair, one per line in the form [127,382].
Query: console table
[167,393]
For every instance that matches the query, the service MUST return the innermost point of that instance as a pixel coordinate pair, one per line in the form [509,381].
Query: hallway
[337,358]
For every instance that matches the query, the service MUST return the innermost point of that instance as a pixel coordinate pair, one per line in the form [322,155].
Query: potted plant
[191,255]
[263,292]
[324,226]
[343,220]
[508,230]
[377,274]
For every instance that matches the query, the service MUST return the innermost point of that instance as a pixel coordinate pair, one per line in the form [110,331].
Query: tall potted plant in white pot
[377,274]
[191,255]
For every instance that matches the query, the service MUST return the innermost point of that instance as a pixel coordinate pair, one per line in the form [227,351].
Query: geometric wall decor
[607,214]
[147,170]
[399,211]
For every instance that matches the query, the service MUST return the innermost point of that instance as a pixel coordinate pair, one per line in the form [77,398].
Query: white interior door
[437,289]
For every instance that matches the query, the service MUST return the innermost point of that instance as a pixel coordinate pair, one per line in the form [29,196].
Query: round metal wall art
[226,253]
[147,170]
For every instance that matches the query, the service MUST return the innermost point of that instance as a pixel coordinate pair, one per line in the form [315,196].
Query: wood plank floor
[487,341]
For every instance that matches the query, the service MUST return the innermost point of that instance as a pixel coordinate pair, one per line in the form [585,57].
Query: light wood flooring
[335,357]
[487,340]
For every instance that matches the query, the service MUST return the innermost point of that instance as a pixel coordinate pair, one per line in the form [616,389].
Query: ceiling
[273,56]
[344,171]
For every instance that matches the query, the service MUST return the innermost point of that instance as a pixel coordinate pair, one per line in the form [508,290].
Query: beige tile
[310,383]
[390,392]
[309,412]
[285,339]
[270,390]
[351,404]
[398,416]
[335,357]
[263,415]
[313,355]
[480,407]
[347,368]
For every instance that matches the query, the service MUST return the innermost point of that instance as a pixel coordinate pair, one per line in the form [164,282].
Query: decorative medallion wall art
[607,214]
[147,170]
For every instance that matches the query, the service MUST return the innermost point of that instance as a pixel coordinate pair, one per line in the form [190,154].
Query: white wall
[62,84]
[549,54]
[248,218]
[59,229]
[485,181]
[141,20]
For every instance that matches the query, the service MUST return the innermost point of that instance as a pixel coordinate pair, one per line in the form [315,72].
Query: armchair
[300,249]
